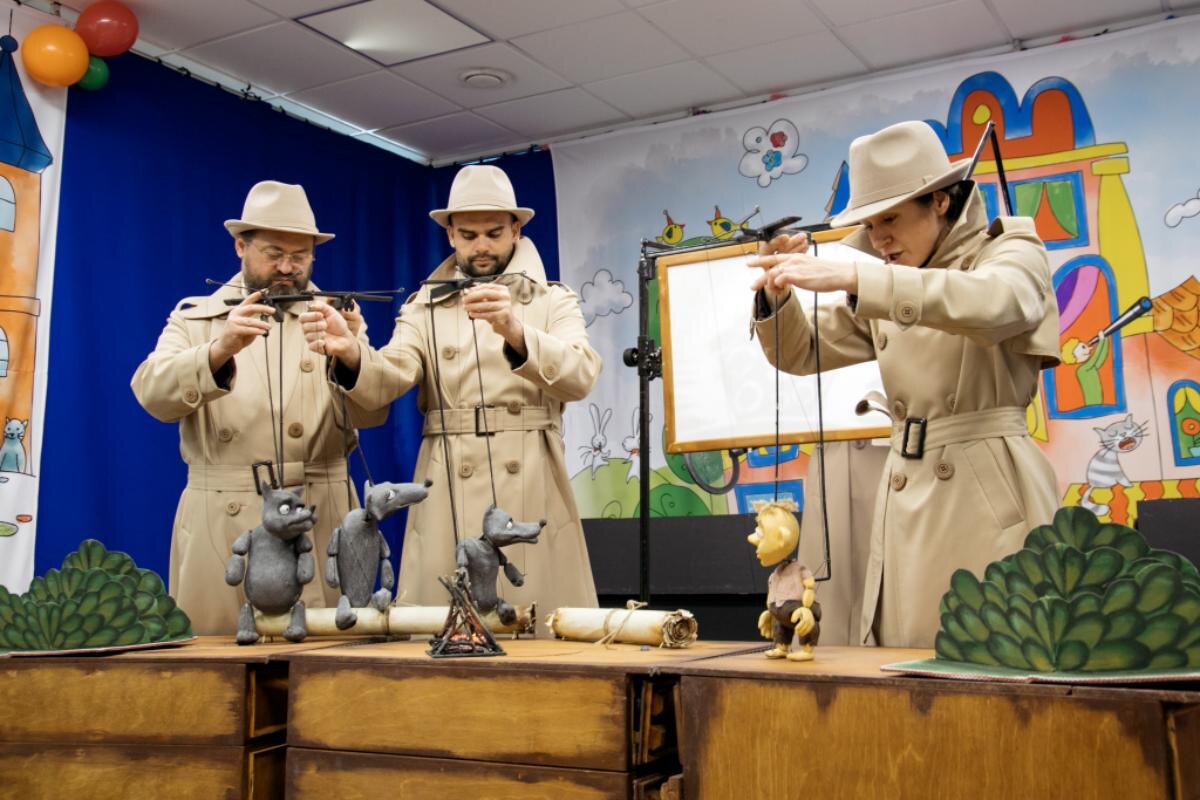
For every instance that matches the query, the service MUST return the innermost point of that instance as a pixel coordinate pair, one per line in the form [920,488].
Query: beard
[294,282]
[487,267]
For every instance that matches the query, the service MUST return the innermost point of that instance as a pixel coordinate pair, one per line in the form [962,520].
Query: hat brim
[442,215]
[237,227]
[960,171]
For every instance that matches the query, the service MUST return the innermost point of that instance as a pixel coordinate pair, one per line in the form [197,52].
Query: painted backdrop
[1095,138]
[32,120]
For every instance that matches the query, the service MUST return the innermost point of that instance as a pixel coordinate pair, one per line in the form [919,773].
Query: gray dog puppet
[358,550]
[275,560]
[479,559]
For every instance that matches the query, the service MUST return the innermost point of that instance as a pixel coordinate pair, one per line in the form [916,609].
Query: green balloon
[96,76]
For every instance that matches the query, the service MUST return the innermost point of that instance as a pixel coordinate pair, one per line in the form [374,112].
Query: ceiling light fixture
[484,78]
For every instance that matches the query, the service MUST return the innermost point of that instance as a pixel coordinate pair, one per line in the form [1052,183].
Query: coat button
[951,402]
[466,471]
[550,370]
[859,444]
[906,311]
[944,471]
[881,341]
[513,467]
[449,352]
[514,406]
[306,365]
[191,396]
[899,410]
[225,435]
[232,508]
[295,430]
[898,481]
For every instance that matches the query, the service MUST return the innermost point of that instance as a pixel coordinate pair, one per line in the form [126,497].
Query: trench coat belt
[500,418]
[989,424]
[238,478]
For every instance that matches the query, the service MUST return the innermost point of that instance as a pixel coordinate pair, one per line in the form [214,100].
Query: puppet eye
[284,508]
[391,494]
[509,525]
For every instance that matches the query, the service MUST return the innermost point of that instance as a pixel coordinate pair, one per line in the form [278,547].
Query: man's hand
[328,333]
[244,324]
[354,319]
[492,303]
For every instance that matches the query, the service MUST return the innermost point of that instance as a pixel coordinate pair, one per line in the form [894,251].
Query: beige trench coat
[959,343]
[527,448]
[223,431]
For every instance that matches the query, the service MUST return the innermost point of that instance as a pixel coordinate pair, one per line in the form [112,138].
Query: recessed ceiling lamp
[484,78]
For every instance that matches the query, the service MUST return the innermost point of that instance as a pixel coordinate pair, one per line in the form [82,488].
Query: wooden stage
[355,719]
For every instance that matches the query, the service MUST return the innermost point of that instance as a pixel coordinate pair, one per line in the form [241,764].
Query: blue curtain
[153,165]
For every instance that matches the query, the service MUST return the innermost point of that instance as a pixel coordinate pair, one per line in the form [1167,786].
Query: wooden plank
[320,774]
[511,716]
[1183,726]
[864,665]
[543,655]
[102,772]
[207,648]
[266,772]
[266,699]
[109,701]
[749,738]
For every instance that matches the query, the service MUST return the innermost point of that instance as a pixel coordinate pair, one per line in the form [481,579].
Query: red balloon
[109,28]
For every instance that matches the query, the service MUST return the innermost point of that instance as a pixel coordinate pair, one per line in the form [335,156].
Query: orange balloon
[54,55]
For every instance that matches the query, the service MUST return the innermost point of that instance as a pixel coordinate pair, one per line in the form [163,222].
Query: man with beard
[216,371]
[533,358]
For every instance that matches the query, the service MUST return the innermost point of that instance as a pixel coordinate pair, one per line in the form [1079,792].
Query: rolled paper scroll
[398,621]
[628,625]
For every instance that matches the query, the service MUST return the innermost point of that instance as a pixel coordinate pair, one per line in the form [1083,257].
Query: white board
[719,387]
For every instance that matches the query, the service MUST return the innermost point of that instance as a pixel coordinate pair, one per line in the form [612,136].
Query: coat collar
[964,235]
[523,273]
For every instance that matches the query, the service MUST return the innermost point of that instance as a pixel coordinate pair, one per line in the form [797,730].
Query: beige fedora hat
[898,163]
[275,206]
[481,187]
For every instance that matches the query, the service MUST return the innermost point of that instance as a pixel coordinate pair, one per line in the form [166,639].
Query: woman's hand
[785,262]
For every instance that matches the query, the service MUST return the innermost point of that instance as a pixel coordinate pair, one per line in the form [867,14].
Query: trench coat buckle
[917,449]
[480,411]
[258,482]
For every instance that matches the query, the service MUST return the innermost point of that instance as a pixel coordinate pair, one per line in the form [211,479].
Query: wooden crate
[558,716]
[839,727]
[206,719]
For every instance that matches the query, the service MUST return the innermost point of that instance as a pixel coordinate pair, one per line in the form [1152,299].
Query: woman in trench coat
[962,318]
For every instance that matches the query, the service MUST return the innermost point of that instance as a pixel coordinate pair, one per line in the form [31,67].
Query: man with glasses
[216,371]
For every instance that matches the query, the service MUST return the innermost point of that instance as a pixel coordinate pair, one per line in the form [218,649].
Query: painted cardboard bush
[1080,596]
[99,599]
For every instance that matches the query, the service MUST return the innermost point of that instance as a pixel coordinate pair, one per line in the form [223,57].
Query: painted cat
[1104,469]
[12,451]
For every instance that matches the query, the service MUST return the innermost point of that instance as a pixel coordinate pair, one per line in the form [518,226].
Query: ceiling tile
[440,73]
[848,12]
[1030,18]
[312,115]
[451,135]
[706,27]
[554,113]
[602,48]
[393,31]
[661,90]
[377,100]
[177,24]
[791,63]
[284,57]
[950,29]
[511,18]
[298,8]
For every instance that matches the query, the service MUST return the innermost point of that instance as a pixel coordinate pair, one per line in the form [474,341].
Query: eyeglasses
[274,256]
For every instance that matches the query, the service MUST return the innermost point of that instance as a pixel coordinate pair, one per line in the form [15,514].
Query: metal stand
[646,357]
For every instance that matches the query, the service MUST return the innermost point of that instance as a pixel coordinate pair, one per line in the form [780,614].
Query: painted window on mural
[8,206]
[3,354]
[1088,382]
[1184,401]
[1056,205]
